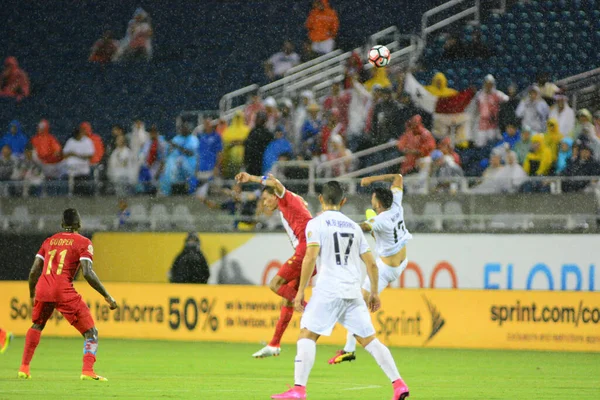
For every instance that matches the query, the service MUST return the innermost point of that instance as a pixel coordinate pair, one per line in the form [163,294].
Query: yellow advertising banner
[567,321]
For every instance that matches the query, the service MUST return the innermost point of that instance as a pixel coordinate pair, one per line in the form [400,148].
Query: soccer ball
[379,56]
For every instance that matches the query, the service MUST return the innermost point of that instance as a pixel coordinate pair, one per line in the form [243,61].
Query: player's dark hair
[269,189]
[332,193]
[385,196]
[71,219]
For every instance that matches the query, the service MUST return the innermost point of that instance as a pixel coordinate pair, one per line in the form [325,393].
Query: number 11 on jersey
[61,261]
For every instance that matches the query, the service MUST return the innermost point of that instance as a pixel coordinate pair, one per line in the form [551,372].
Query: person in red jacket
[86,129]
[14,81]
[415,143]
[46,146]
[322,25]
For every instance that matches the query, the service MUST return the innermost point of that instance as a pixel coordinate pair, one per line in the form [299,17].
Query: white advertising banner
[529,262]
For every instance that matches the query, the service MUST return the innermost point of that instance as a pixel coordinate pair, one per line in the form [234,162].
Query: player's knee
[91,333]
[364,342]
[276,283]
[38,327]
[306,334]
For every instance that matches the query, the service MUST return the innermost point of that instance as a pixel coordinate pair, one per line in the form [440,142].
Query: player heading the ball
[51,288]
[294,216]
[337,244]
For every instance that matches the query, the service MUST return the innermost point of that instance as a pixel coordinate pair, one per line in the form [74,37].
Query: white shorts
[323,312]
[387,275]
[324,47]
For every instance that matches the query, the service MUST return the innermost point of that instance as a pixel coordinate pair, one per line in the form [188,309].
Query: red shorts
[75,311]
[292,269]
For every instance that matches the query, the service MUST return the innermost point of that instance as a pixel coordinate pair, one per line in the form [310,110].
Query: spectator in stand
[511,136]
[492,181]
[439,86]
[272,113]
[445,146]
[307,52]
[115,132]
[220,125]
[120,167]
[311,130]
[153,156]
[306,98]
[340,100]
[136,140]
[282,61]
[8,164]
[583,165]
[533,110]
[585,131]
[488,101]
[322,25]
[86,129]
[552,137]
[354,71]
[547,89]
[565,153]
[14,82]
[453,48]
[507,114]
[286,117]
[358,111]
[258,140]
[278,146]
[234,138]
[388,118]
[48,150]
[445,171]
[15,138]
[332,127]
[512,174]
[181,164]
[77,154]
[379,79]
[254,106]
[210,154]
[337,149]
[415,143]
[523,145]
[539,158]
[563,114]
[137,43]
[105,49]
[29,171]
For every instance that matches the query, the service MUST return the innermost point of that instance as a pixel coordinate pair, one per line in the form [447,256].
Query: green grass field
[206,371]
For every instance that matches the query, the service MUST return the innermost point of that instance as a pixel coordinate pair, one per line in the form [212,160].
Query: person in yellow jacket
[439,86]
[539,159]
[380,77]
[234,137]
[552,137]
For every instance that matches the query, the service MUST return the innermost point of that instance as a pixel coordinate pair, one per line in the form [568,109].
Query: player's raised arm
[396,179]
[270,181]
[91,278]
[34,275]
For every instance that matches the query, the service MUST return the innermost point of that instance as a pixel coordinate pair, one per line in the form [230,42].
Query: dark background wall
[203,49]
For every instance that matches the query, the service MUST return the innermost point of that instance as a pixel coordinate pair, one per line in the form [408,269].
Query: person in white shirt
[282,61]
[337,244]
[77,153]
[120,165]
[563,114]
[386,222]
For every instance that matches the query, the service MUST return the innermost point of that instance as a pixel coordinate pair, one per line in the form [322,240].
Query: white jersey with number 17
[389,228]
[341,243]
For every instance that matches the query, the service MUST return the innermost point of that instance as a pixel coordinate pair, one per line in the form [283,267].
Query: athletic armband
[263,180]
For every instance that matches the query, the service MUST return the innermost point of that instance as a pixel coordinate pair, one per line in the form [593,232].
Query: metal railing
[582,88]
[353,157]
[427,27]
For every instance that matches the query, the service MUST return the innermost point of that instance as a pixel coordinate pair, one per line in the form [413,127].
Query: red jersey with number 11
[62,254]
[294,216]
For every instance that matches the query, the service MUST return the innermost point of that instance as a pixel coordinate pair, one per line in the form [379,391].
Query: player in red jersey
[51,287]
[294,216]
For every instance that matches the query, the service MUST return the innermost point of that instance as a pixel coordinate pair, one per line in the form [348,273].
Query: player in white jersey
[338,245]
[391,237]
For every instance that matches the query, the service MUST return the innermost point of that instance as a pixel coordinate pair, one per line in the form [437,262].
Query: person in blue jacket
[15,138]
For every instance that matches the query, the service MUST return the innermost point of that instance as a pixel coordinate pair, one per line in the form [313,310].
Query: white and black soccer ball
[379,56]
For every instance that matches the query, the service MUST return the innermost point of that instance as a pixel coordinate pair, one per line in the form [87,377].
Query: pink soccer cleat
[295,392]
[400,390]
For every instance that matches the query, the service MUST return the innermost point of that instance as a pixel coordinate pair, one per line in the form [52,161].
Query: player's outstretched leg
[384,359]
[32,339]
[5,338]
[305,359]
[348,353]
[287,290]
[90,347]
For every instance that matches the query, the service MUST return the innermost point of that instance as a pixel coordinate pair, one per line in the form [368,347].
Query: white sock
[305,359]
[384,358]
[350,346]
